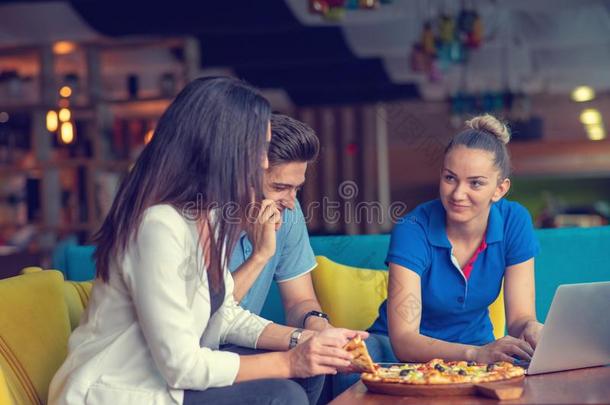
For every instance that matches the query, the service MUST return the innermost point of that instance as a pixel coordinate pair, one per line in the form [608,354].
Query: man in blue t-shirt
[276,247]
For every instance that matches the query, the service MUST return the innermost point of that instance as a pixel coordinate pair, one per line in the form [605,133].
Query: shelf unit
[68,182]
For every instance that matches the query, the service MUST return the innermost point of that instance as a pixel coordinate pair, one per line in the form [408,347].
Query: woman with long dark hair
[162,303]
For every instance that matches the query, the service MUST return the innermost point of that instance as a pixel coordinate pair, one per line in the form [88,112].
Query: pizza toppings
[438,371]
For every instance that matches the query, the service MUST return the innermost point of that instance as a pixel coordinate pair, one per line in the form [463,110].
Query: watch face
[294,338]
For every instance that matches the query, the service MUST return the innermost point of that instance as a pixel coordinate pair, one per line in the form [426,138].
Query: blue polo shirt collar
[495,226]
[438,231]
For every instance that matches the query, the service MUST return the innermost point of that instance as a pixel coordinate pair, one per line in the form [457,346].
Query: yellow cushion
[5,395]
[76,294]
[38,312]
[34,330]
[351,296]
[497,315]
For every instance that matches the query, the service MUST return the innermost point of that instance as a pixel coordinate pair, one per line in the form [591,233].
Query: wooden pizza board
[506,389]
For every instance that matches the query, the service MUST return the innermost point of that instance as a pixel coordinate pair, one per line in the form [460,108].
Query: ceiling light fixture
[596,132]
[63,47]
[65,91]
[590,116]
[582,94]
[52,121]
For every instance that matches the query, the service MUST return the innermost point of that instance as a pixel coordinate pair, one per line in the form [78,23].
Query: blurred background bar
[384,83]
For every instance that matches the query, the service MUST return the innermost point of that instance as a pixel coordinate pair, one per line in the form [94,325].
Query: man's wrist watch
[317,314]
[294,337]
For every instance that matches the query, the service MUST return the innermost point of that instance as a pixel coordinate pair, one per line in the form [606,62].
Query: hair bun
[490,124]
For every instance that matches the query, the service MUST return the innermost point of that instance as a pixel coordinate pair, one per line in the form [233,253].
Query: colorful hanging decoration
[334,10]
[427,39]
[445,41]
[475,35]
[446,29]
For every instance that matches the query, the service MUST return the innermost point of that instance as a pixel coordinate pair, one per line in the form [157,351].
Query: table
[584,386]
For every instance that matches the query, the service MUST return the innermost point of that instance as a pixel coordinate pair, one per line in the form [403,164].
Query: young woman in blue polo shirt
[448,258]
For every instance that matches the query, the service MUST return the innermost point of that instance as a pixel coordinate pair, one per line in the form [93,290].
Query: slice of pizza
[360,355]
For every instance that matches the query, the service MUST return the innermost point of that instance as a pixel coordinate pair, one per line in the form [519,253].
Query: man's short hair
[291,141]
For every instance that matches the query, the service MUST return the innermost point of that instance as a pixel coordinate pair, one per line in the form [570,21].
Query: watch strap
[317,314]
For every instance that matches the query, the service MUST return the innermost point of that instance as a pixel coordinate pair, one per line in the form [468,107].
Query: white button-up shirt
[147,334]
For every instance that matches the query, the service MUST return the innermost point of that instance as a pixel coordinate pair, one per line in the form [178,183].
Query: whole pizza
[436,371]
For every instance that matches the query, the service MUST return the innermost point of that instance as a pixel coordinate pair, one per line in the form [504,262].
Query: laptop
[576,333]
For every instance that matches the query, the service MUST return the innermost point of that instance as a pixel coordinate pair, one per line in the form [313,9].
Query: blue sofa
[568,255]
